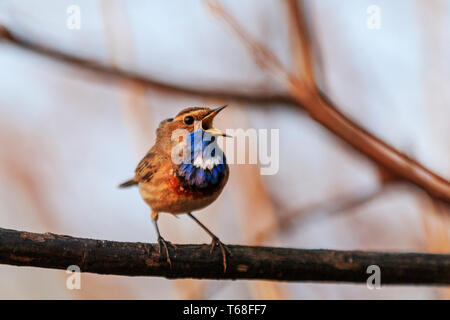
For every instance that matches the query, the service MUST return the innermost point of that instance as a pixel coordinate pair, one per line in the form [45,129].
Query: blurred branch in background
[300,42]
[288,218]
[194,261]
[322,110]
[113,73]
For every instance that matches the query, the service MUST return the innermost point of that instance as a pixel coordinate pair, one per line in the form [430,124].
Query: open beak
[208,119]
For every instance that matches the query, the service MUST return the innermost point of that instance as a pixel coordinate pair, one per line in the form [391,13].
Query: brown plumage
[169,187]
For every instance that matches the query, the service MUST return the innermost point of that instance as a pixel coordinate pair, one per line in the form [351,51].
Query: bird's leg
[215,242]
[161,241]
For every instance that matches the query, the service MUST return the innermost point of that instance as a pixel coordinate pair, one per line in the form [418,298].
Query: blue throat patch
[207,164]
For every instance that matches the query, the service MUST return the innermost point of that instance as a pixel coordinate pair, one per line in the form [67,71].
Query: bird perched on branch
[184,171]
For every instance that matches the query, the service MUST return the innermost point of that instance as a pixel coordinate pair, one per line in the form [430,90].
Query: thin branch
[262,56]
[321,109]
[287,219]
[111,73]
[301,44]
[194,261]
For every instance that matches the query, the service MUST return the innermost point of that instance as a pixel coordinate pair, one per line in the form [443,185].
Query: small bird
[172,187]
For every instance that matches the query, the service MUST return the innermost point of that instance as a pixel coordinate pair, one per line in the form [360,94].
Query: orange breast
[176,186]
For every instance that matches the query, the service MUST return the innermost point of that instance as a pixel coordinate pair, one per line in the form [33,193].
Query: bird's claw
[163,243]
[223,248]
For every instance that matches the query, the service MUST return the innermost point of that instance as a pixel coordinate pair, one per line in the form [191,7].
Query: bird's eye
[189,120]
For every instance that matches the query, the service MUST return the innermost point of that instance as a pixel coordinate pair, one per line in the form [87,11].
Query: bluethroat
[178,187]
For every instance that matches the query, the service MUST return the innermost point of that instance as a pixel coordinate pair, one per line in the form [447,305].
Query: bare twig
[316,211]
[194,261]
[301,44]
[325,112]
[115,74]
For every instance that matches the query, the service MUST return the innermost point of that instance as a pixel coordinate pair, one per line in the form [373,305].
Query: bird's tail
[129,183]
